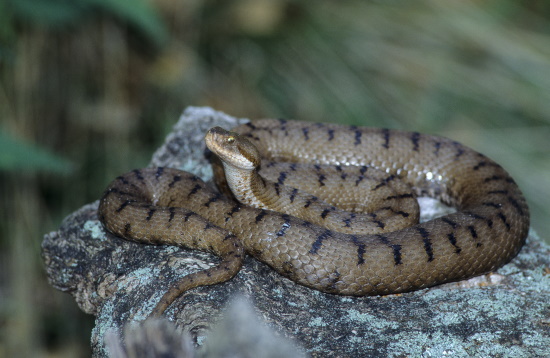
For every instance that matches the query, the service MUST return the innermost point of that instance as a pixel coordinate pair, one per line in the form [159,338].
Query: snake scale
[168,206]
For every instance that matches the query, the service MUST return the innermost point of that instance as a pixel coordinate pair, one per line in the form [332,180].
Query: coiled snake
[357,254]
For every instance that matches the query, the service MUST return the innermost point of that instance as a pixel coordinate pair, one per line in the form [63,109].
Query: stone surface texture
[504,314]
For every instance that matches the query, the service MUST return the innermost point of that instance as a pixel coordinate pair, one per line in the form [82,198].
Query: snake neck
[247,186]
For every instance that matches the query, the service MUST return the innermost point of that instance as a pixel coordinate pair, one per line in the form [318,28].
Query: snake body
[168,206]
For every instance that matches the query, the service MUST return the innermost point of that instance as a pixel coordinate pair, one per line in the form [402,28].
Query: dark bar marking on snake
[502,217]
[330,134]
[473,231]
[480,165]
[384,182]
[305,130]
[123,180]
[395,248]
[235,209]
[493,178]
[386,136]
[452,239]
[357,137]
[516,205]
[159,172]
[207,227]
[188,215]
[453,224]
[492,205]
[325,212]
[459,150]
[124,204]
[319,241]
[427,242]
[283,126]
[285,226]
[138,175]
[293,194]
[415,137]
[488,221]
[321,179]
[213,199]
[194,190]
[277,189]
[172,212]
[399,196]
[260,216]
[503,192]
[150,214]
[378,223]
[361,249]
[437,146]
[401,213]
[349,220]
[282,178]
[250,125]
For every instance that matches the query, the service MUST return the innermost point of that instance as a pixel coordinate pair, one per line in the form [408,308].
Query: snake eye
[230,139]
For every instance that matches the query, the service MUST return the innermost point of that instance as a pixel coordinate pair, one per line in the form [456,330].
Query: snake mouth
[232,148]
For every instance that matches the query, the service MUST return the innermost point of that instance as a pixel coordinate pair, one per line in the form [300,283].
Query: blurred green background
[89,88]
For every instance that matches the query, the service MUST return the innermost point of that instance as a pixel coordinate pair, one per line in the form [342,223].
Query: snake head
[232,148]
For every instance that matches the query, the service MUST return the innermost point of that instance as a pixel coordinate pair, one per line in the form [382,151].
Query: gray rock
[504,314]
[150,338]
[239,334]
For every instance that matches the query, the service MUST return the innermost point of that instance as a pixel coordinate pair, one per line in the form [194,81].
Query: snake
[281,221]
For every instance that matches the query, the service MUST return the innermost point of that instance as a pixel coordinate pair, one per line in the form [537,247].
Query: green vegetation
[16,155]
[100,82]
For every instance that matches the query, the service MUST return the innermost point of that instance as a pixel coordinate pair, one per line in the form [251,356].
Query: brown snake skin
[168,206]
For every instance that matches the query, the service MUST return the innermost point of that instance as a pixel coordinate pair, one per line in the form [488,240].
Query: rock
[238,334]
[150,338]
[502,314]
